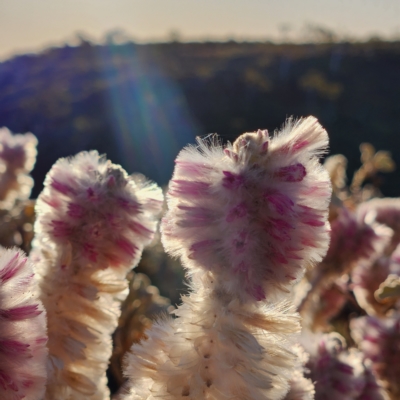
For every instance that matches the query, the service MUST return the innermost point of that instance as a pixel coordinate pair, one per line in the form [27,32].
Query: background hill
[141,103]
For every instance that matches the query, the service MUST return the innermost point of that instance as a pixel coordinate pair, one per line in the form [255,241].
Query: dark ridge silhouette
[141,103]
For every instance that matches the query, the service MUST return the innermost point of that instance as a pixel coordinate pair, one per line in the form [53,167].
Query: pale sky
[30,25]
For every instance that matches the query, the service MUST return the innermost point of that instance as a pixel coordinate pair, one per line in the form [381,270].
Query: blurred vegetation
[91,96]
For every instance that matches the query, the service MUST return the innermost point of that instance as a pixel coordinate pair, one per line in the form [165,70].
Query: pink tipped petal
[232,181]
[127,247]
[60,187]
[12,267]
[280,203]
[187,188]
[291,173]
[193,169]
[20,313]
[297,146]
[75,210]
[13,347]
[237,212]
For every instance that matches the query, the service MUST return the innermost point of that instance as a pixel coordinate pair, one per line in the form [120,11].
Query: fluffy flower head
[95,208]
[253,213]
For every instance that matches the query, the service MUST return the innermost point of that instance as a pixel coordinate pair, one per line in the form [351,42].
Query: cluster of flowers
[355,290]
[264,252]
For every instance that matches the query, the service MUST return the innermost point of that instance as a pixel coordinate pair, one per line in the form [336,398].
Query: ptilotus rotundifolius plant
[93,221]
[246,220]
[23,335]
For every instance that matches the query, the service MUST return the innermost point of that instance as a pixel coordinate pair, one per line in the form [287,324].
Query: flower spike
[93,222]
[245,220]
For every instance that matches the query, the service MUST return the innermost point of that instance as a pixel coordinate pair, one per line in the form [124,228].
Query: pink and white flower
[245,220]
[23,334]
[93,221]
[254,213]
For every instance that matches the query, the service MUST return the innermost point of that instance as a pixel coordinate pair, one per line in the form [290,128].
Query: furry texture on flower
[215,349]
[245,220]
[17,158]
[254,213]
[379,340]
[93,221]
[301,388]
[340,373]
[23,335]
